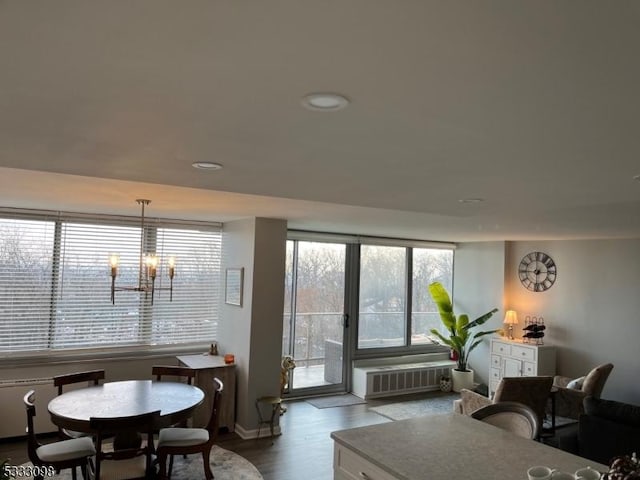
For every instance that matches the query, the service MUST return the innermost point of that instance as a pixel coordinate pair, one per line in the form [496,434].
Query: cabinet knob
[364,475]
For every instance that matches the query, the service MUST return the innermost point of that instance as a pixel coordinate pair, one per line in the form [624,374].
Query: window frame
[133,350]
[353,296]
[407,348]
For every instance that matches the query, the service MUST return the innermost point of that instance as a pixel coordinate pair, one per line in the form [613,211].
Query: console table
[513,358]
[207,367]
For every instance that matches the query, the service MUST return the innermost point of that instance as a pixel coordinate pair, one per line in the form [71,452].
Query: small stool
[275,403]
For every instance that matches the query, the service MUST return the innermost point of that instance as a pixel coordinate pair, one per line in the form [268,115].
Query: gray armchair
[572,392]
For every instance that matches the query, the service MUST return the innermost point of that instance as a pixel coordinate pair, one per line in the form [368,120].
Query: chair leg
[206,464]
[162,463]
[83,470]
[170,466]
[74,475]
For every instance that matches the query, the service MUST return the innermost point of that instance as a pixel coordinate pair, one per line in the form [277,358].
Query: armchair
[530,391]
[571,393]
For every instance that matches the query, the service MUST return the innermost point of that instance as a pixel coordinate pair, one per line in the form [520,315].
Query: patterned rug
[436,403]
[335,401]
[226,465]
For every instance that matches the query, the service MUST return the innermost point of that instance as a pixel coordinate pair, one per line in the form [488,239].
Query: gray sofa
[606,430]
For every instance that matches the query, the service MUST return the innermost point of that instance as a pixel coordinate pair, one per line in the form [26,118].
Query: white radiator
[395,379]
[12,410]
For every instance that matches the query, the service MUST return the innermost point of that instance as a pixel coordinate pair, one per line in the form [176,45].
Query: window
[395,308]
[55,284]
[428,265]
[383,296]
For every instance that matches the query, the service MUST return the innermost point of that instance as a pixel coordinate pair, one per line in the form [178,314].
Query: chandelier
[147,269]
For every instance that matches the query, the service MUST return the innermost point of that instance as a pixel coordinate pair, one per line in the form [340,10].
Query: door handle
[345,320]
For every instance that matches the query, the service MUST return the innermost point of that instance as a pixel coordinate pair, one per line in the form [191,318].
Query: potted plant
[461,339]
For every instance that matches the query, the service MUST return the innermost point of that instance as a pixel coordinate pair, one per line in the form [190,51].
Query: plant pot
[462,380]
[445,384]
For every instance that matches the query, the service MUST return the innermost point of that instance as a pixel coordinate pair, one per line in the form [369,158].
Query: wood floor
[304,451]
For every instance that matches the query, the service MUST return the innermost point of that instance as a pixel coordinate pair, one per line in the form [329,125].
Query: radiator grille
[25,382]
[405,381]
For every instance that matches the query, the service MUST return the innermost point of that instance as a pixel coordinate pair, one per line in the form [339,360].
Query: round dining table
[175,401]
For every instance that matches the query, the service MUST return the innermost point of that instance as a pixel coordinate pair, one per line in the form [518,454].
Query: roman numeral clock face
[537,271]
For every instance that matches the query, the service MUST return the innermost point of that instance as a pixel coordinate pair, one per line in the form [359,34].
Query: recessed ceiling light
[206,166]
[325,102]
[471,200]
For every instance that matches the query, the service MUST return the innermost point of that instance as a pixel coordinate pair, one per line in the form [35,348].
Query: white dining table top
[453,446]
[175,401]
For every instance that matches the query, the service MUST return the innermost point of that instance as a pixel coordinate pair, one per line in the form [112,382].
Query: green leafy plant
[461,339]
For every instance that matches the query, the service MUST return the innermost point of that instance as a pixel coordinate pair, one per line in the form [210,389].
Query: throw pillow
[576,383]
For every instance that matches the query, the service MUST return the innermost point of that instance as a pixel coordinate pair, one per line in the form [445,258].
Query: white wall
[478,286]
[592,312]
[253,332]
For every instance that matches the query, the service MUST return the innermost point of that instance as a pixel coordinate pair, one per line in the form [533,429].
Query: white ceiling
[531,105]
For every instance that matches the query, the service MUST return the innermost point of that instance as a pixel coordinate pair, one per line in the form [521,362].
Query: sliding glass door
[314,320]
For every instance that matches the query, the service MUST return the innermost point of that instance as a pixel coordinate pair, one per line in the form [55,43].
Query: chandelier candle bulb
[152,266]
[114,261]
[172,267]
[147,269]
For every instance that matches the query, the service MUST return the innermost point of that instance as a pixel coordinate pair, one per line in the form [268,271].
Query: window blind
[26,257]
[68,304]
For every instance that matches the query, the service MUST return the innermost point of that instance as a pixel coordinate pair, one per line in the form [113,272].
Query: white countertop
[453,446]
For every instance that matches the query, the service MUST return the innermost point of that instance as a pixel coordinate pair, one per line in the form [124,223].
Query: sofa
[606,430]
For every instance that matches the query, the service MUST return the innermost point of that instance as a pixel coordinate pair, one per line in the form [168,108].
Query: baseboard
[265,432]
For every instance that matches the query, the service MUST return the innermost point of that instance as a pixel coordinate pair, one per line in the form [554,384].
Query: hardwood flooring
[303,451]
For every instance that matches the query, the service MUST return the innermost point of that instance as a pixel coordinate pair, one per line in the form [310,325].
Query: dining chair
[184,441]
[183,373]
[91,377]
[134,462]
[72,453]
[512,416]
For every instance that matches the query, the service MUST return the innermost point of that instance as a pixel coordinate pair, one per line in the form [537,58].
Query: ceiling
[532,106]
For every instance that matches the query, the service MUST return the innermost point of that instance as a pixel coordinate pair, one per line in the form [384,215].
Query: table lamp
[511,319]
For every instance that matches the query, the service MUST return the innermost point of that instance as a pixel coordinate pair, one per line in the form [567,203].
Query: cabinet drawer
[348,464]
[495,361]
[501,348]
[529,369]
[494,376]
[523,353]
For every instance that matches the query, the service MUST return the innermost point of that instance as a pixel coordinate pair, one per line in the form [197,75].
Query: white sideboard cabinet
[513,358]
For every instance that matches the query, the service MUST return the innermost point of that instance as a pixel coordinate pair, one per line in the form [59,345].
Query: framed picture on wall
[233,286]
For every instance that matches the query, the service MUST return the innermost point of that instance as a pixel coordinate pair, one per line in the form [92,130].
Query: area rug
[226,465]
[335,401]
[431,404]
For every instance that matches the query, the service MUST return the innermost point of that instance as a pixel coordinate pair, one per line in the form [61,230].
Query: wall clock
[537,271]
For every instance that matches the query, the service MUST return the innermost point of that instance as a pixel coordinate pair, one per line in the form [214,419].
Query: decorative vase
[445,384]
[462,379]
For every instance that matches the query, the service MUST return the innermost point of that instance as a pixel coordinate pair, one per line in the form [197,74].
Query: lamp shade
[511,317]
